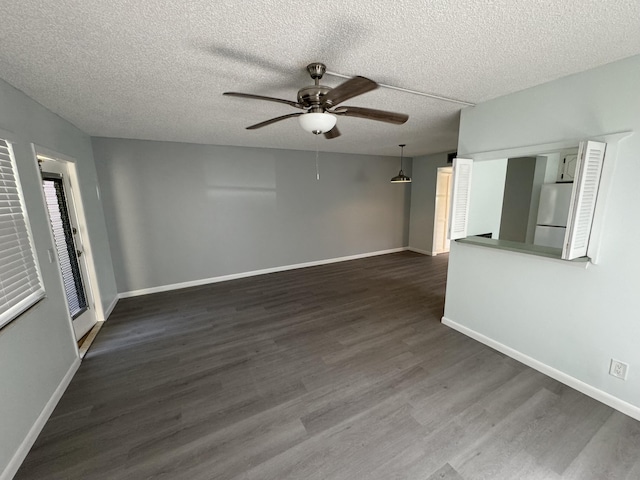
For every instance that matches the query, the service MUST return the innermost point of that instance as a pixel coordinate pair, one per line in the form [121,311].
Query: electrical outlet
[618,369]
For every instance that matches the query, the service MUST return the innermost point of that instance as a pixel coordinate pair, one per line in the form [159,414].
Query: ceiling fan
[321,104]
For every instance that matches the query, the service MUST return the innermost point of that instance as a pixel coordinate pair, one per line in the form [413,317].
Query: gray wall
[516,203]
[180,212]
[573,320]
[37,349]
[423,200]
[545,165]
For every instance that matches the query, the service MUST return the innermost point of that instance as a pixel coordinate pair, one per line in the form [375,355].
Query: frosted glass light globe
[317,123]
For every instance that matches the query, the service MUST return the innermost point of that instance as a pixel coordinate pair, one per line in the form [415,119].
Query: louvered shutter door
[20,283]
[460,191]
[583,199]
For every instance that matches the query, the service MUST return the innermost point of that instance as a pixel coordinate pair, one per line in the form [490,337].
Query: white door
[69,247]
[442,209]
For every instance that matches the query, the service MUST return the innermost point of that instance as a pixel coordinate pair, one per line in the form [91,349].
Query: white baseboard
[234,276]
[20,454]
[593,392]
[423,252]
[110,308]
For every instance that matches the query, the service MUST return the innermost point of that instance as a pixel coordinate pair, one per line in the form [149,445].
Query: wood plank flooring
[341,371]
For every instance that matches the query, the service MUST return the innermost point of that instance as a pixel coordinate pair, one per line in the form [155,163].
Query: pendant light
[401,177]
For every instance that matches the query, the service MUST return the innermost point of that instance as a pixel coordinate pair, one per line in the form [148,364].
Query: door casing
[66,166]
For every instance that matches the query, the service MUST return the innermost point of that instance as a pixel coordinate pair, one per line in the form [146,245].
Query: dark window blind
[63,237]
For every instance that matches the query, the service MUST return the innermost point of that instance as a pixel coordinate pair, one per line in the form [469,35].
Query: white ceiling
[156,69]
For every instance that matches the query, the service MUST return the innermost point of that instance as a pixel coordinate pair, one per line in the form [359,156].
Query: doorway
[442,209]
[67,227]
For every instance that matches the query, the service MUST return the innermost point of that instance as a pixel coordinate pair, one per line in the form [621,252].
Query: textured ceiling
[156,69]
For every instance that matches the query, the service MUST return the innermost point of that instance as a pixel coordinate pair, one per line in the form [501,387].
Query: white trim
[593,392]
[22,451]
[234,276]
[110,308]
[423,252]
[542,148]
[70,166]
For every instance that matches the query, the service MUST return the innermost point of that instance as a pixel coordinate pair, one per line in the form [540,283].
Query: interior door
[443,196]
[68,242]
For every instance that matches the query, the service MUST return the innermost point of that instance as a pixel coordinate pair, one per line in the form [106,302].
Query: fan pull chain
[317,156]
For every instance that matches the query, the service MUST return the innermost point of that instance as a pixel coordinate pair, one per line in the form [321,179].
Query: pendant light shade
[401,177]
[317,123]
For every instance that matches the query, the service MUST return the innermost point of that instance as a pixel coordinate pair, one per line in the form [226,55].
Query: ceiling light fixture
[317,123]
[401,177]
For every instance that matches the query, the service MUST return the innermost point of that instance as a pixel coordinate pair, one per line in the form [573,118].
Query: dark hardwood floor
[341,371]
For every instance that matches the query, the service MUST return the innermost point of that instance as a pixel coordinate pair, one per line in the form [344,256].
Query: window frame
[9,313]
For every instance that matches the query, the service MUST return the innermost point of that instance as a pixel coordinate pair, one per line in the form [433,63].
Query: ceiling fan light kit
[317,123]
[401,177]
[320,104]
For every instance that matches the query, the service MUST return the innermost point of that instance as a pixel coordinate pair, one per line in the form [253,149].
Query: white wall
[181,212]
[487,193]
[573,320]
[37,349]
[423,200]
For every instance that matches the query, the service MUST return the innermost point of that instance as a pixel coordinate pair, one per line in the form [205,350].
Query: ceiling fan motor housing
[311,96]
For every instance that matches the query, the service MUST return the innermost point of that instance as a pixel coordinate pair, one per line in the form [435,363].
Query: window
[20,282]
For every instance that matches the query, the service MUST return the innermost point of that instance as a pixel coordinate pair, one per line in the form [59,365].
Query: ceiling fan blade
[353,87]
[273,120]
[333,133]
[260,97]
[372,114]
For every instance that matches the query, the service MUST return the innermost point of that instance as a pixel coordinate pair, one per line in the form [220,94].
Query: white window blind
[460,193]
[20,282]
[583,199]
